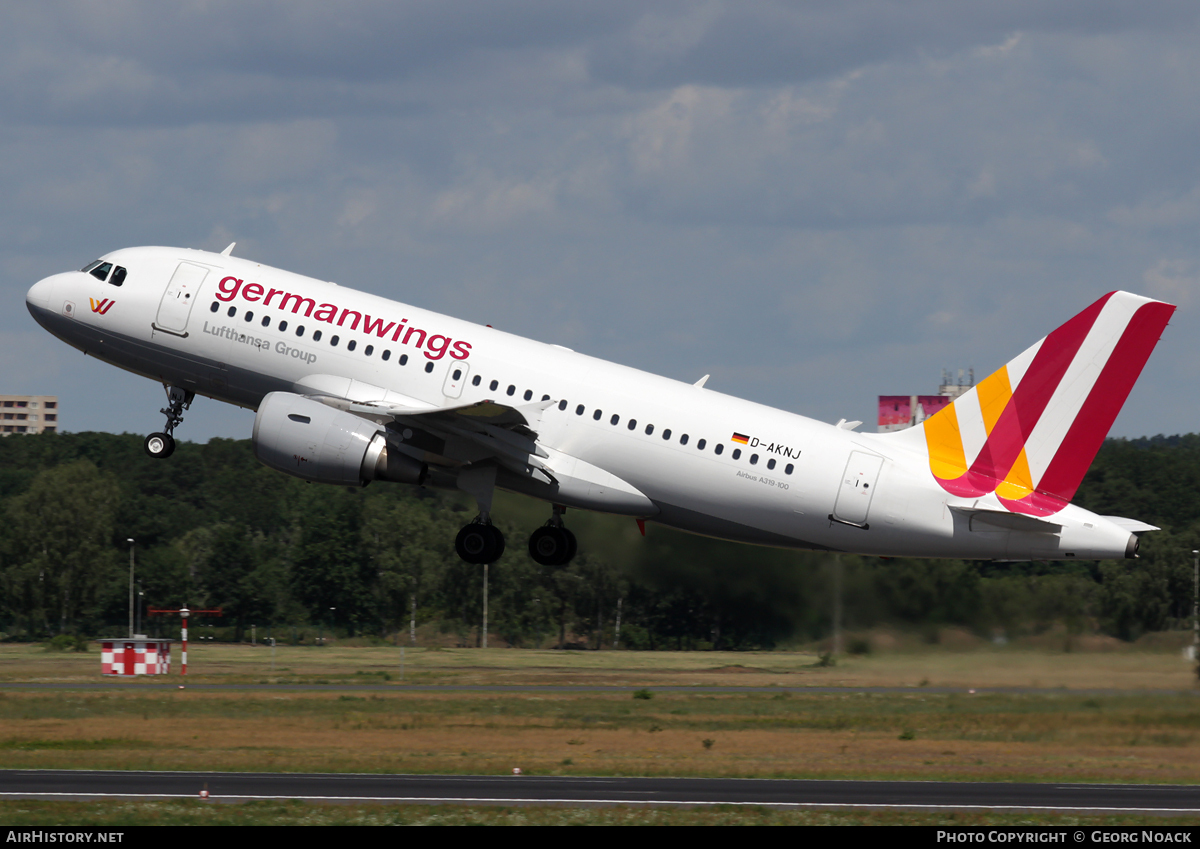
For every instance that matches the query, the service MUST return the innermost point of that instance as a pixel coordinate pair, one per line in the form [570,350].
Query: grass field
[182,813]
[1125,668]
[1123,734]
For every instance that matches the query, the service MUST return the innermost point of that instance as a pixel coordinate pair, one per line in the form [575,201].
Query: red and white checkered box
[136,656]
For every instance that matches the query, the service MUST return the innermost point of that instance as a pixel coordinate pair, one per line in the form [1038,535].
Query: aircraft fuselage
[682,455]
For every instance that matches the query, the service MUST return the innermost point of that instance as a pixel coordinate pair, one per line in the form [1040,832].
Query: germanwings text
[436,345]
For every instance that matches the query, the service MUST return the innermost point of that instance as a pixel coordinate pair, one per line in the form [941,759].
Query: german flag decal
[740,437]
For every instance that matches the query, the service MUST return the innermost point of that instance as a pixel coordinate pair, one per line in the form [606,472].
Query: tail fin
[1030,431]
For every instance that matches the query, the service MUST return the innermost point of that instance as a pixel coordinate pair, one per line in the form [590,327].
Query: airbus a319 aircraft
[351,388]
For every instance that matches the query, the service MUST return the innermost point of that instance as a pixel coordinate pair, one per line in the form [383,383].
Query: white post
[130,587]
[617,635]
[837,605]
[183,615]
[1195,604]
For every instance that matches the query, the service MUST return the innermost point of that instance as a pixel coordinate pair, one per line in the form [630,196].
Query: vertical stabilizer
[1030,431]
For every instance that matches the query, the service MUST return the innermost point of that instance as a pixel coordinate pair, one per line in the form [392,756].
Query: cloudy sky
[815,202]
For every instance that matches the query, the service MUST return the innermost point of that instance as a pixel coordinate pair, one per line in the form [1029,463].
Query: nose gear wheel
[162,445]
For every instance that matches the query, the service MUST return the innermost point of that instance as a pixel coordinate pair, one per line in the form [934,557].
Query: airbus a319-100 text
[351,388]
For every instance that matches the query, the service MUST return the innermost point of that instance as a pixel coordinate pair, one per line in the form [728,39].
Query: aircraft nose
[39,294]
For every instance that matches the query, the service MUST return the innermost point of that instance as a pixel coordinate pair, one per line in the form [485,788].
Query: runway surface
[559,790]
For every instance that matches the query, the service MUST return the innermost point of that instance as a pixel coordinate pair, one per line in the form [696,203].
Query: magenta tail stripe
[1031,396]
[1065,472]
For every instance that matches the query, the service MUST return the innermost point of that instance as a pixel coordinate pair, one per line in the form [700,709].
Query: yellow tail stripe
[994,393]
[946,458]
[1019,482]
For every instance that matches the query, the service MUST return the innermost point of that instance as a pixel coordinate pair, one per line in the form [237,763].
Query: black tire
[160,446]
[478,544]
[547,545]
[497,542]
[572,547]
[551,546]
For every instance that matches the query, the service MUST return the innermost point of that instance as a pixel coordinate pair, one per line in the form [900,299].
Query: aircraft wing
[447,436]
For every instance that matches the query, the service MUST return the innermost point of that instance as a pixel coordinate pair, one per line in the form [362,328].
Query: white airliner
[350,388]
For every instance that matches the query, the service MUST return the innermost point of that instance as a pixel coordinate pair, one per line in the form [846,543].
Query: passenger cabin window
[649,429]
[683,439]
[719,448]
[316,335]
[737,453]
[282,326]
[370,349]
[216,305]
[475,381]
[511,389]
[667,433]
[493,385]
[579,410]
[771,463]
[429,368]
[596,415]
[788,469]
[300,330]
[386,355]
[266,322]
[562,405]
[700,445]
[351,345]
[528,394]
[249,315]
[403,359]
[333,340]
[232,312]
[615,420]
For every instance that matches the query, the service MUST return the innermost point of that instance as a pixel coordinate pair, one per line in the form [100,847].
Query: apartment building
[28,414]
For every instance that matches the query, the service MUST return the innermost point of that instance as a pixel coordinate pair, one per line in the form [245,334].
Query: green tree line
[214,528]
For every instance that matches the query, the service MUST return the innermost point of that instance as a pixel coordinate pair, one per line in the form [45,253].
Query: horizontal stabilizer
[1131,525]
[982,519]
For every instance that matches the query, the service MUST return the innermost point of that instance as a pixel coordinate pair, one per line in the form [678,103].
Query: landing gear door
[456,378]
[176,303]
[856,489]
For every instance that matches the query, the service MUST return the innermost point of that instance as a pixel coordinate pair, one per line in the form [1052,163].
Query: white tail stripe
[1077,383]
[970,424]
[1020,365]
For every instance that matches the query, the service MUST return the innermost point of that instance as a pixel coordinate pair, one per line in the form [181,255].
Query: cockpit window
[100,272]
[118,276]
[90,266]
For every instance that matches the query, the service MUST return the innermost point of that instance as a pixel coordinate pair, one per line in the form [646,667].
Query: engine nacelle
[310,440]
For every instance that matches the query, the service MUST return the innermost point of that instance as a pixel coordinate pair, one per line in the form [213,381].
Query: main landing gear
[553,544]
[550,545]
[162,445]
[479,542]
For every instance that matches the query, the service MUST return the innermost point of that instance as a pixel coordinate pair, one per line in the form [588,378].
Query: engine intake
[305,438]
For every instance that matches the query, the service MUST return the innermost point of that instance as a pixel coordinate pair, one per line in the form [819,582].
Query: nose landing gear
[162,445]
